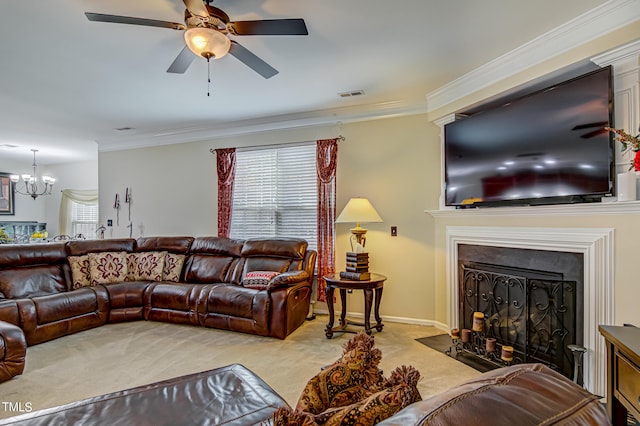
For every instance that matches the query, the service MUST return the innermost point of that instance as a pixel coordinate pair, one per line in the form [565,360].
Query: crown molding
[591,25]
[328,117]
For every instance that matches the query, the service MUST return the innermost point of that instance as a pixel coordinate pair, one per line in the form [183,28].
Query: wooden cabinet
[623,372]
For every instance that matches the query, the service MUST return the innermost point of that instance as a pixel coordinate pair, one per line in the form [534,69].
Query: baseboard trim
[385,318]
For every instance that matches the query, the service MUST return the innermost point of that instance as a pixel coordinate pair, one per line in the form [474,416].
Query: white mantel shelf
[587,209]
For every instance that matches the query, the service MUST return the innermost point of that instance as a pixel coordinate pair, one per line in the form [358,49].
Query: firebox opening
[531,300]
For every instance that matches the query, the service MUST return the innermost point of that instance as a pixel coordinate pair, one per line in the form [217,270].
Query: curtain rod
[274,145]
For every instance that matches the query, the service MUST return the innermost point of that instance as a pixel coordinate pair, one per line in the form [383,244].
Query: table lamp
[358,210]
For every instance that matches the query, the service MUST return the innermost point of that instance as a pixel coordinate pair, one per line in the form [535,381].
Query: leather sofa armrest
[13,349]
[287,279]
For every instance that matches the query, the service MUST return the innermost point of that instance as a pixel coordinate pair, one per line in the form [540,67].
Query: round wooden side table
[369,287]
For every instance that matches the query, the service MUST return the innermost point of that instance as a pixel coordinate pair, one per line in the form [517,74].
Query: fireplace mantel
[597,247]
[620,207]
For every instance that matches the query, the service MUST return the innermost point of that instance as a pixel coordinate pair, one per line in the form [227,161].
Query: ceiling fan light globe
[207,42]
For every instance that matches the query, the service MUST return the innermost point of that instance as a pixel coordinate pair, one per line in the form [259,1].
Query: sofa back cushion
[178,245]
[79,248]
[33,270]
[20,283]
[212,259]
[271,254]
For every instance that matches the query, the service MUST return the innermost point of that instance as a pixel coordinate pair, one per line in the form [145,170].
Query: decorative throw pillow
[172,267]
[258,279]
[132,266]
[286,416]
[350,379]
[402,390]
[80,271]
[108,267]
[149,265]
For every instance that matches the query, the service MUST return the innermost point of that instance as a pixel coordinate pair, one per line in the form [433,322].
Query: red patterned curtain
[226,164]
[326,161]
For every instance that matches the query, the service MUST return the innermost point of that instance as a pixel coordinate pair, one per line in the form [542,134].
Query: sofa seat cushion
[175,302]
[65,305]
[176,296]
[237,301]
[32,281]
[523,394]
[49,317]
[126,294]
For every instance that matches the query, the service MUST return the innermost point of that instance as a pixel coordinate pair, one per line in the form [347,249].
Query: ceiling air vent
[351,93]
[124,129]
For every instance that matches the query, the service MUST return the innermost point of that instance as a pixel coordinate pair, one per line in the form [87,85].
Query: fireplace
[532,310]
[574,265]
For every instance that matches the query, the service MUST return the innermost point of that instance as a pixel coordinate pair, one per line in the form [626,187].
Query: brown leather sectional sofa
[38,298]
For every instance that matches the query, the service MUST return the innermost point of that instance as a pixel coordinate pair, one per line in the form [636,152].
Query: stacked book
[357,267]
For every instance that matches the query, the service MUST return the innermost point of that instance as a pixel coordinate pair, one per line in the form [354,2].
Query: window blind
[84,219]
[275,193]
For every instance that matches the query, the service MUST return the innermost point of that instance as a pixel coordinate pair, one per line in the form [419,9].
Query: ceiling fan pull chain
[208,77]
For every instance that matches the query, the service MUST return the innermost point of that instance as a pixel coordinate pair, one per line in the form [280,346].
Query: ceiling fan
[206,29]
[599,129]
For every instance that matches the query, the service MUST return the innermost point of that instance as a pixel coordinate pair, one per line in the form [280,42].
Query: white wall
[388,160]
[78,175]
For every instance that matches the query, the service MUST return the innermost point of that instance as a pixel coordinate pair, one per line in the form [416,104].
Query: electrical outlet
[109,222]
[394,231]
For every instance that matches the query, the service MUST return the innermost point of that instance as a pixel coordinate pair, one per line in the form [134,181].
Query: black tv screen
[545,148]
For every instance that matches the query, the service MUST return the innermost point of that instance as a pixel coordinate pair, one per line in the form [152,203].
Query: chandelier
[31,185]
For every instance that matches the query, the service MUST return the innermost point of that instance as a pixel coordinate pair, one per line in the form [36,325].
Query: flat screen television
[548,147]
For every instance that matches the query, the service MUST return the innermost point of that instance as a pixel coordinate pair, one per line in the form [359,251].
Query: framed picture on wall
[6,195]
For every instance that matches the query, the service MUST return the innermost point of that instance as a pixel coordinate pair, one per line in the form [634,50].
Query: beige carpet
[120,356]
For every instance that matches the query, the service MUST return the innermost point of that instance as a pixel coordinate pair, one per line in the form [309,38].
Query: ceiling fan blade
[99,17]
[590,125]
[269,27]
[182,61]
[251,60]
[594,133]
[197,7]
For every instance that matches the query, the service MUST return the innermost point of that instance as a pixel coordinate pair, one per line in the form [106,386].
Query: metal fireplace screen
[530,310]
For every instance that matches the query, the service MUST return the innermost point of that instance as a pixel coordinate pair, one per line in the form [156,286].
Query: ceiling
[67,84]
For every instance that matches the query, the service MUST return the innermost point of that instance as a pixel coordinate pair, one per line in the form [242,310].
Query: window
[79,213]
[84,219]
[275,193]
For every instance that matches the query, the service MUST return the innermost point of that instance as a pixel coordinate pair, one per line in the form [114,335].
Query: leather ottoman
[231,395]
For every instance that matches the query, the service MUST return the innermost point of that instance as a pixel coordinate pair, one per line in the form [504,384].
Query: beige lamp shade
[358,210]
[207,42]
